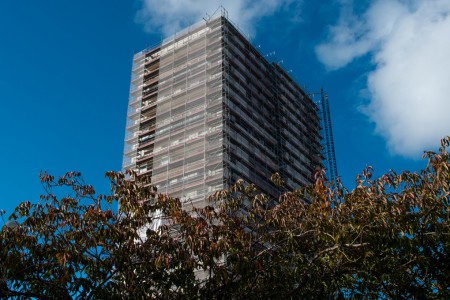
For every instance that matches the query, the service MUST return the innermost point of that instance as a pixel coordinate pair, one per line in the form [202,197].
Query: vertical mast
[327,140]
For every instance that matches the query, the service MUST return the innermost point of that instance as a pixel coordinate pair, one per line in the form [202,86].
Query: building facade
[206,108]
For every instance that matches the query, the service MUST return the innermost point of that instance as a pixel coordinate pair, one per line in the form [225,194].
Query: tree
[386,238]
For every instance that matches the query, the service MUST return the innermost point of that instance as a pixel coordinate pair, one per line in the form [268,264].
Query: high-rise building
[206,108]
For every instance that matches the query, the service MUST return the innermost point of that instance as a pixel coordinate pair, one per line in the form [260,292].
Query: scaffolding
[206,108]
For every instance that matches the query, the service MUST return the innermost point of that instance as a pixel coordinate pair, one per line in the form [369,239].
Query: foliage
[387,238]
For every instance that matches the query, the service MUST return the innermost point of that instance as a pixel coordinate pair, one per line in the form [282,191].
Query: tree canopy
[388,237]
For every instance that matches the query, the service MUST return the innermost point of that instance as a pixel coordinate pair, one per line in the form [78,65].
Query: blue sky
[65,71]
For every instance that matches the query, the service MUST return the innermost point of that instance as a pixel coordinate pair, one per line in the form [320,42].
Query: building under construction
[206,108]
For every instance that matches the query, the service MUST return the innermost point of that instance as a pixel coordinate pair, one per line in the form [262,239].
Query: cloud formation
[409,43]
[170,16]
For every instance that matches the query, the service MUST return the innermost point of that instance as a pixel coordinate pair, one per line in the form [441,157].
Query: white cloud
[170,16]
[409,85]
